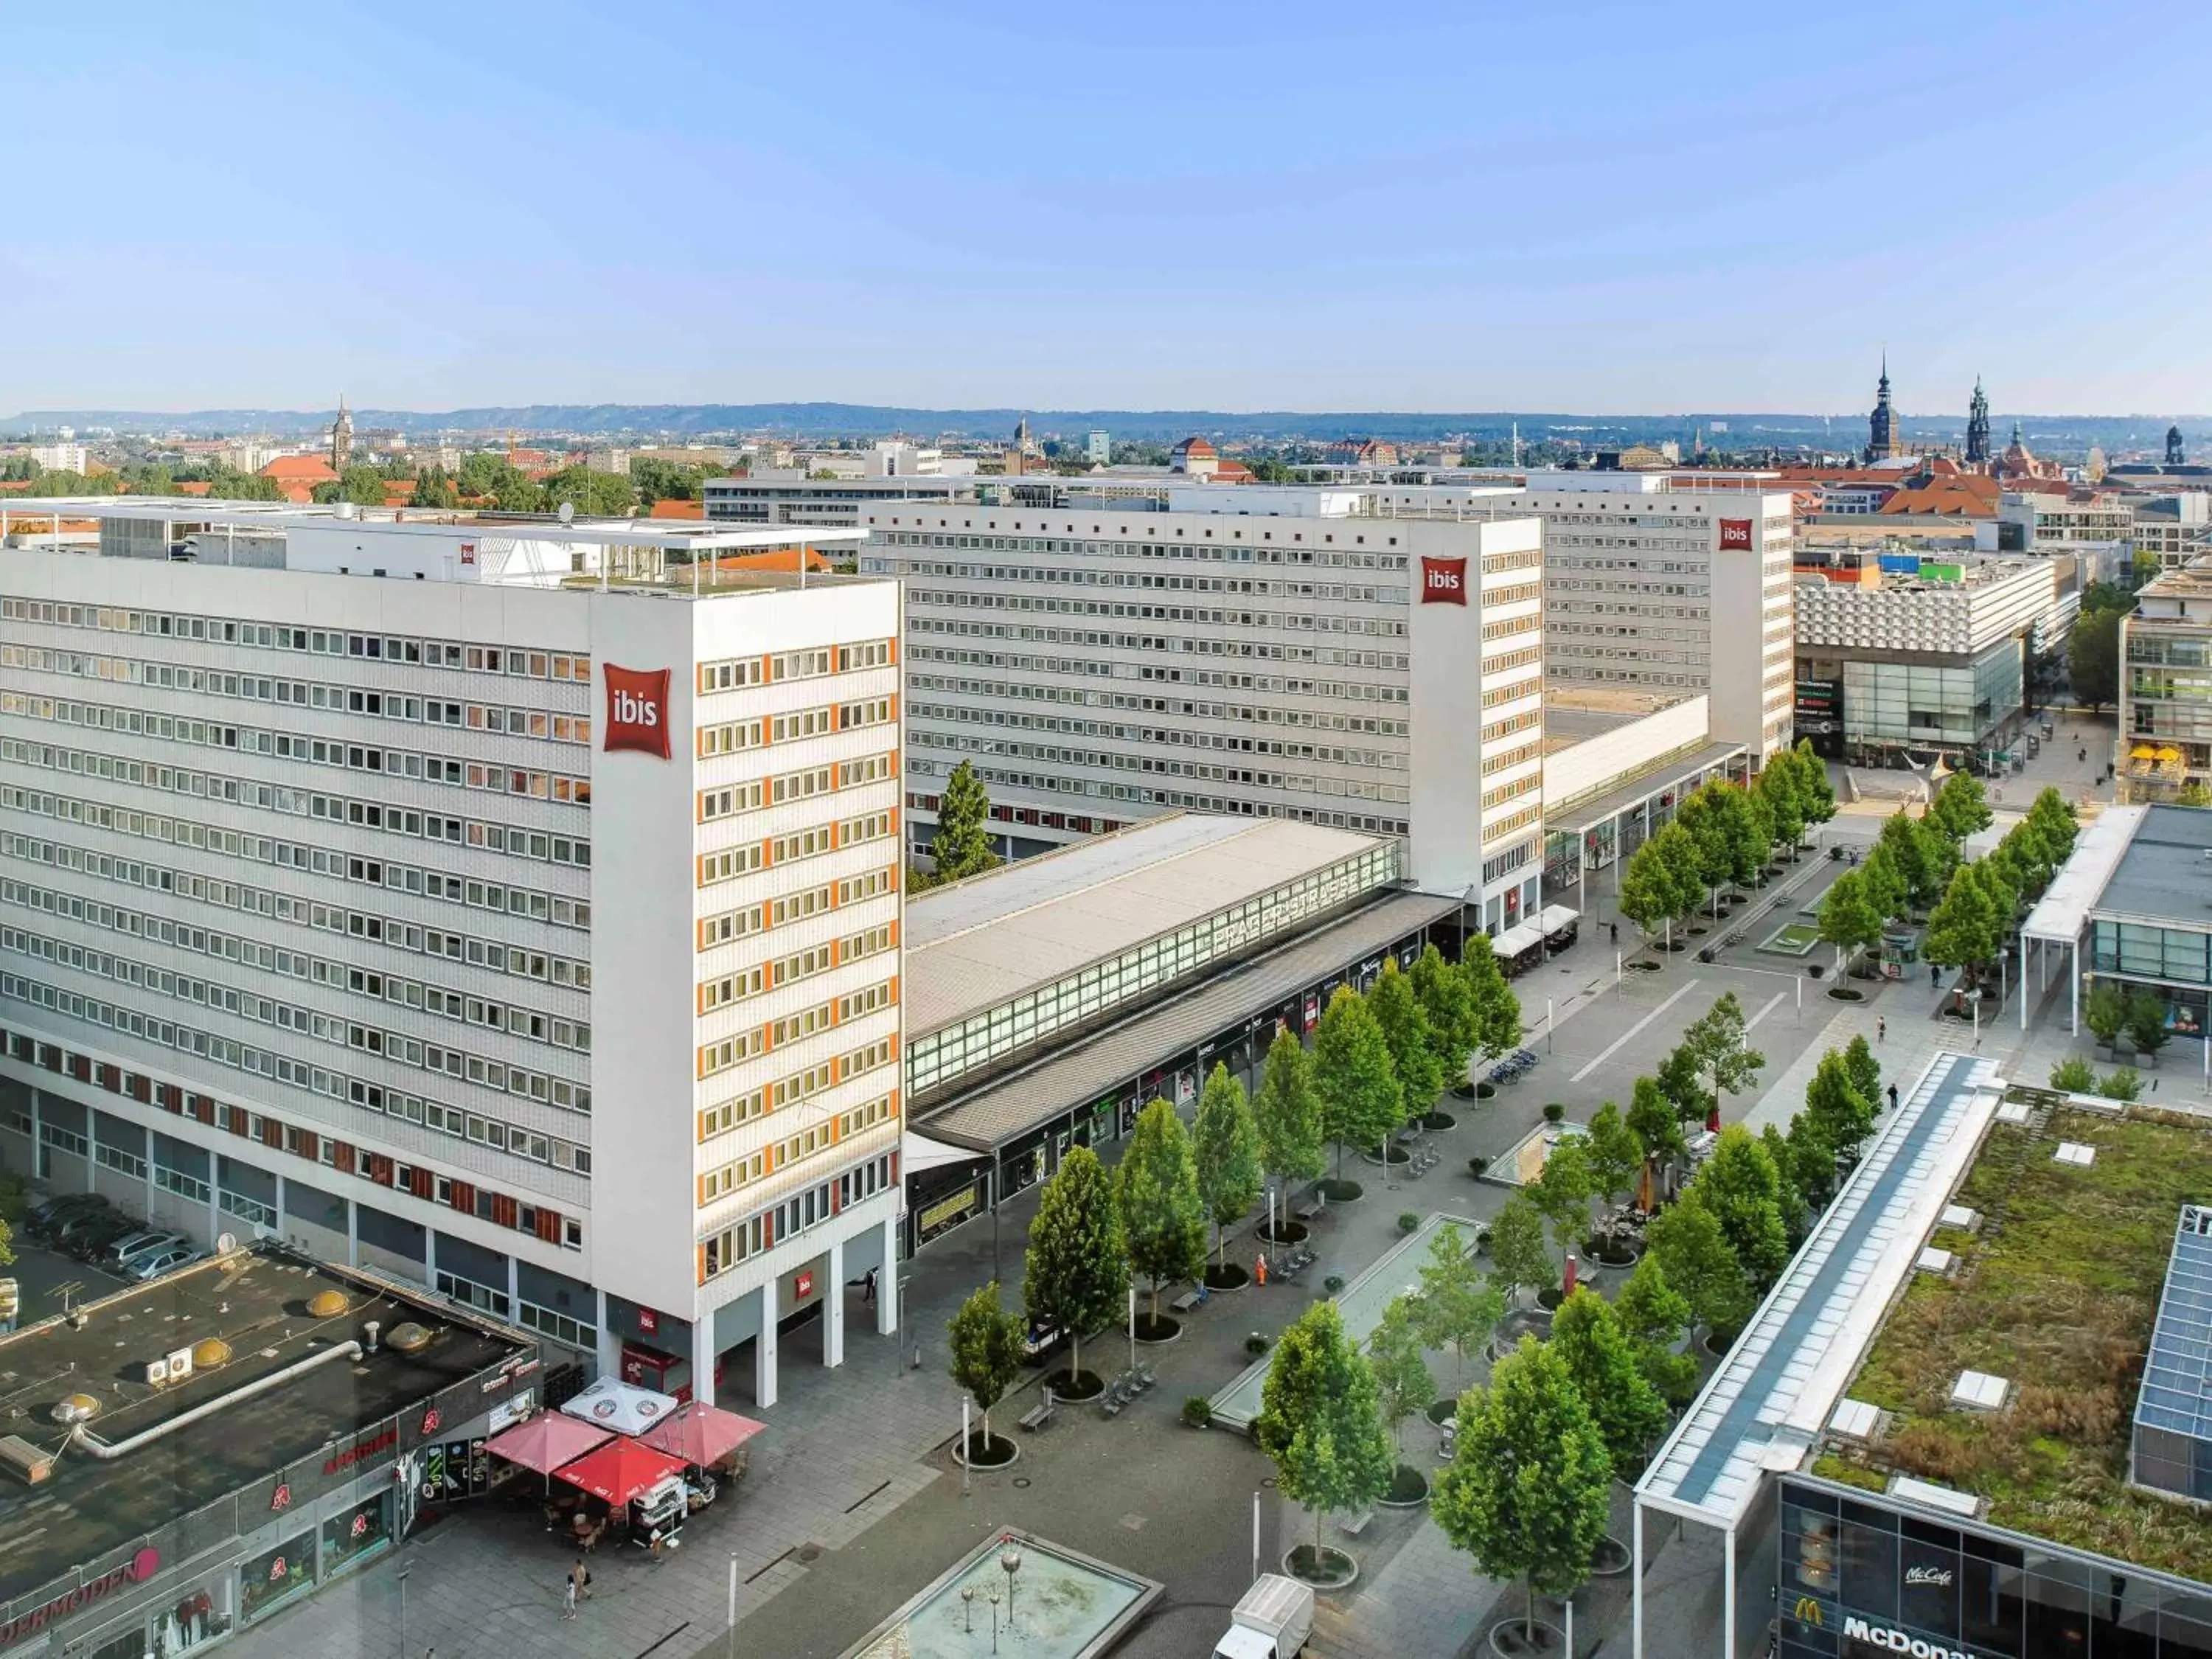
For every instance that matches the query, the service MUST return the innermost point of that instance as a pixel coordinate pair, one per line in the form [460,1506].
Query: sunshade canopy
[611,1403]
[700,1433]
[546,1442]
[619,1470]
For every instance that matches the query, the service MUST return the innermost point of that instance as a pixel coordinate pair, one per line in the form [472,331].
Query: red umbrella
[619,1471]
[546,1442]
[700,1433]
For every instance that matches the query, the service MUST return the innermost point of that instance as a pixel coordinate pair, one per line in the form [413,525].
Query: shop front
[1860,1577]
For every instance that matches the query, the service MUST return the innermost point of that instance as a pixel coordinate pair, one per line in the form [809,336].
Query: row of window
[1295,685]
[333,809]
[735,736]
[1076,695]
[395,1046]
[724,1249]
[728,863]
[714,1058]
[736,673]
[749,919]
[1205,550]
[1114,761]
[730,798]
[1083,576]
[718,1183]
[1260,651]
[370,648]
[1289,622]
[528,1024]
[968,714]
[801,1086]
[727,988]
[518,960]
[300,694]
[546,1224]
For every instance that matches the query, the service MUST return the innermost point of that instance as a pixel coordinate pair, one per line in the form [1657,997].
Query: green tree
[1287,1113]
[1603,1362]
[1701,820]
[593,495]
[988,1344]
[1716,1039]
[962,844]
[1654,1122]
[1740,1185]
[2093,657]
[2075,1075]
[1883,885]
[1654,1317]
[434,486]
[1353,1075]
[1694,1254]
[1865,1069]
[1849,919]
[1745,831]
[1518,1261]
[1662,883]
[1816,796]
[1963,928]
[1447,1000]
[1320,1420]
[1077,1269]
[1496,1010]
[1613,1153]
[1397,1353]
[1412,1042]
[1562,1192]
[1802,1178]
[2146,1023]
[1839,1115]
[1225,1146]
[1530,1482]
[363,485]
[1156,1190]
[2126,1084]
[1680,1079]
[1961,808]
[1781,786]
[1918,864]
[1459,1308]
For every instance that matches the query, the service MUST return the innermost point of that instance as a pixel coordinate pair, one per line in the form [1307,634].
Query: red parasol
[700,1433]
[546,1442]
[619,1471]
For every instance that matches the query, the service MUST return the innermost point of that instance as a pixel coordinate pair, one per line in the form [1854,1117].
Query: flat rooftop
[1573,713]
[2163,875]
[256,1303]
[980,943]
[2057,1292]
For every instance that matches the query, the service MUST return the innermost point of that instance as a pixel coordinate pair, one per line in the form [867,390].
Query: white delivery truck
[1272,1621]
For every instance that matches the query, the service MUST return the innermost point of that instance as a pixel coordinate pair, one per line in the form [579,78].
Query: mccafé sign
[136,1570]
[1884,1636]
[637,710]
[1444,581]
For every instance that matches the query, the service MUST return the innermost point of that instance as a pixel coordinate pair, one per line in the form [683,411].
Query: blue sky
[1561,206]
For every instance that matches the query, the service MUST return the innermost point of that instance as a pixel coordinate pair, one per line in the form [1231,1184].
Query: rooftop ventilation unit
[1934,1261]
[2074,1152]
[1978,1391]
[1856,1420]
[28,1463]
[1958,1215]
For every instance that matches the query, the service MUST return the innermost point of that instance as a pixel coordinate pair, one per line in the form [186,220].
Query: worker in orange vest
[1260,1267]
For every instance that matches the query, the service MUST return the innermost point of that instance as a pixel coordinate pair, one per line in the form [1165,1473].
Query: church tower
[1881,430]
[2175,456]
[341,437]
[1977,428]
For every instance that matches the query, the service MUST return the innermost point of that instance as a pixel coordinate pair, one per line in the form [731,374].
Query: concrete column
[38,1142]
[214,1198]
[513,1287]
[609,1348]
[833,1308]
[280,1204]
[702,1358]
[765,1349]
[1727,1592]
[887,1281]
[1636,1580]
[353,1234]
[430,1257]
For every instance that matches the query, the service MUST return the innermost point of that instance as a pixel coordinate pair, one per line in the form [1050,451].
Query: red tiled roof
[668,506]
[299,469]
[775,558]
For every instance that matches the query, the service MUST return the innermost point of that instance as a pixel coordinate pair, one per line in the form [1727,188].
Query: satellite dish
[567,513]
[225,1243]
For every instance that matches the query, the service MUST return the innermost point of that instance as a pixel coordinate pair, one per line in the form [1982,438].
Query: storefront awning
[546,1442]
[611,1403]
[701,1434]
[919,1152]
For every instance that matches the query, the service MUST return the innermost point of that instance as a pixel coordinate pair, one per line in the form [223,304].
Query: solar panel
[2177,1386]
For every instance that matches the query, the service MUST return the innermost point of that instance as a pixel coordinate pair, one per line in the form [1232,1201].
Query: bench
[1040,1413]
[1187,1301]
[1352,1525]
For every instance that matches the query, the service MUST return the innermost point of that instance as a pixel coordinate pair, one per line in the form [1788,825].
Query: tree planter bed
[1084,1385]
[1442,1409]
[1399,1156]
[1845,994]
[1597,1256]
[1510,1640]
[1341,1192]
[1486,1091]
[1409,1489]
[1436,1122]
[1283,1232]
[1468,1090]
[1152,1330]
[1611,1558]
[996,1453]
[1333,1570]
[1227,1277]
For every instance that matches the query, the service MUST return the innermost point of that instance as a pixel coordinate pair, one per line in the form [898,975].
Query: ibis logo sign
[1736,532]
[1444,581]
[637,710]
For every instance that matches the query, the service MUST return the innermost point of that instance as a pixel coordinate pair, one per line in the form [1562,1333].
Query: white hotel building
[495,905]
[1262,651]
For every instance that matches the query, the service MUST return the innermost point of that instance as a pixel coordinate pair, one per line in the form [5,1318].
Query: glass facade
[2172,964]
[1914,703]
[1860,1580]
[948,1053]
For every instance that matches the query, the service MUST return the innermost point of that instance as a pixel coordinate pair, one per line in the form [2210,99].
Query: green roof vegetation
[2056,1293]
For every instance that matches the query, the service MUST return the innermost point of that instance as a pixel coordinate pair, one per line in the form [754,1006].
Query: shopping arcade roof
[2063,910]
[1769,1400]
[2176,1383]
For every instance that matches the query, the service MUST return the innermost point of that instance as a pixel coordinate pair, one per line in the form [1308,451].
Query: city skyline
[1045,210]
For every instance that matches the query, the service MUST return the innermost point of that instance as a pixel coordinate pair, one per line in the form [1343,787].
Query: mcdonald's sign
[1806,1611]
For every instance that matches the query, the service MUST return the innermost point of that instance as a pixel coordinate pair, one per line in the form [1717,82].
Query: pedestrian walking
[568,1597]
[1935,977]
[580,1578]
[1892,1097]
[1616,931]
[1881,1028]
[868,1289]
[1260,1267]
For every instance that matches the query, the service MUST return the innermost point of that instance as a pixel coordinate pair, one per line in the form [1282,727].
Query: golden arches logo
[1806,1611]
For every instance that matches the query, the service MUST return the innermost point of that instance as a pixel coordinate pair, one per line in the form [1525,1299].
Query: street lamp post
[403,1571]
[1010,1559]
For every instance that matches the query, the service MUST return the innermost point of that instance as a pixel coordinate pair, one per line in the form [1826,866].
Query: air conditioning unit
[180,1364]
[157,1372]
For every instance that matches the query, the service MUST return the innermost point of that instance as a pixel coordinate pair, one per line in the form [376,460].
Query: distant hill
[638,422]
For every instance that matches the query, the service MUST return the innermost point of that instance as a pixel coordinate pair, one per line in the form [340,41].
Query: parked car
[139,1243]
[155,1263]
[90,1242]
[47,1216]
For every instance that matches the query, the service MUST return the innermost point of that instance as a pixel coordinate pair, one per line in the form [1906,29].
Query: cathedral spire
[1978,427]
[1883,437]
